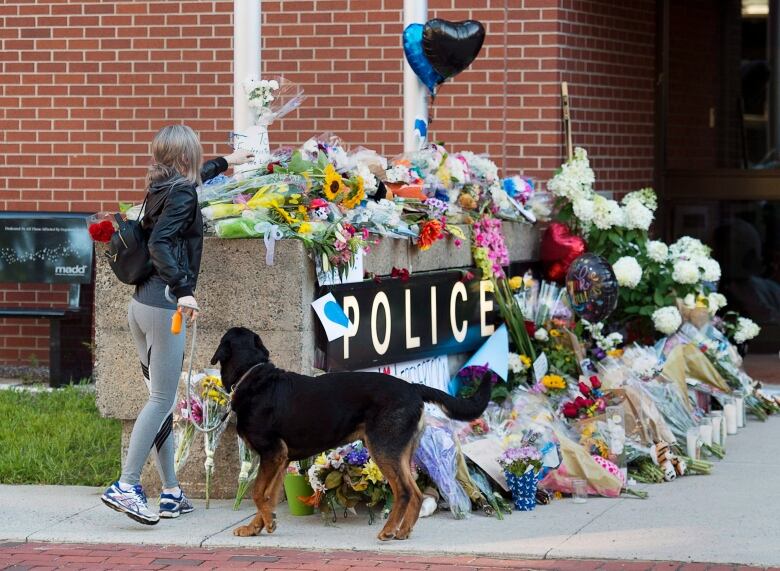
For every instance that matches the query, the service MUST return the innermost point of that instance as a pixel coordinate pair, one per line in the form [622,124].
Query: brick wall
[84,85]
[608,59]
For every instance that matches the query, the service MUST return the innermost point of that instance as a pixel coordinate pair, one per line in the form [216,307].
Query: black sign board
[45,248]
[435,313]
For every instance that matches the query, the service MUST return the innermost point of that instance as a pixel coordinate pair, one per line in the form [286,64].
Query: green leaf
[333,480]
[299,165]
[632,309]
[659,298]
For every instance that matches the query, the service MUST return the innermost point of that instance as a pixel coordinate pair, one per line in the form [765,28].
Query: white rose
[685,272]
[667,320]
[628,272]
[637,215]
[541,334]
[583,210]
[746,330]
[657,251]
[710,269]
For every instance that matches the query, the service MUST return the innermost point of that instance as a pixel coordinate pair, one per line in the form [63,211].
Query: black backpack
[128,254]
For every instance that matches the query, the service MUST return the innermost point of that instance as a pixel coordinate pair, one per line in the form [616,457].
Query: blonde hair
[175,149]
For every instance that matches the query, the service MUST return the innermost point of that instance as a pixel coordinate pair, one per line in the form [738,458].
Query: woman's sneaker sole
[131,515]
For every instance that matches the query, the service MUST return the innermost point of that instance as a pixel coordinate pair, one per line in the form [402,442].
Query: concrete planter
[236,288]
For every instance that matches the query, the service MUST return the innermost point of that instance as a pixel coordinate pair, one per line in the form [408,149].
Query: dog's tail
[459,409]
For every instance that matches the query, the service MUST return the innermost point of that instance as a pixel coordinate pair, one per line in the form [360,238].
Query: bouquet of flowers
[184,429]
[250,464]
[521,467]
[215,402]
[589,403]
[345,477]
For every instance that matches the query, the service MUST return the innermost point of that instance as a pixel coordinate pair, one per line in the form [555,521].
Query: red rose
[580,402]
[570,410]
[467,277]
[272,166]
[530,328]
[589,403]
[584,389]
[400,273]
[101,231]
[595,382]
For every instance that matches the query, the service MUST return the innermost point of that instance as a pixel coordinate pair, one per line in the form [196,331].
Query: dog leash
[188,388]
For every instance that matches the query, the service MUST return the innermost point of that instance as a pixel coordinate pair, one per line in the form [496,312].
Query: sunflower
[357,195]
[333,184]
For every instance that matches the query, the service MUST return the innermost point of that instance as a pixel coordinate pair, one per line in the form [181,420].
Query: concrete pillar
[246,58]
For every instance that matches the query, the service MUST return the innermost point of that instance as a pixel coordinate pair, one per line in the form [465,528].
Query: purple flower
[358,456]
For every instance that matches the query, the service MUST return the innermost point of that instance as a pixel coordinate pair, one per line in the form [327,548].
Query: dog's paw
[386,536]
[246,531]
[402,535]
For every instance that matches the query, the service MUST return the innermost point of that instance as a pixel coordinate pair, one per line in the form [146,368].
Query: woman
[174,228]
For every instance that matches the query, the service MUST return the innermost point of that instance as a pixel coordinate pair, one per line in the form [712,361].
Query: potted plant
[521,468]
[296,486]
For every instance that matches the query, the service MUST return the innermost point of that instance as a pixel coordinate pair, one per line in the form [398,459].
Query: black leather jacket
[174,227]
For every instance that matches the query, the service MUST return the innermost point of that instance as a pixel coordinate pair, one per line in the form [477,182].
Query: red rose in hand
[570,410]
[584,389]
[101,231]
[595,382]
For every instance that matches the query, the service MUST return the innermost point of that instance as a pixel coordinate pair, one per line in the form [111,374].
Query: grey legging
[161,354]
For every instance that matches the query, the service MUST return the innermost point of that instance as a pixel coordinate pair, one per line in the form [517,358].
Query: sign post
[415,96]
[246,58]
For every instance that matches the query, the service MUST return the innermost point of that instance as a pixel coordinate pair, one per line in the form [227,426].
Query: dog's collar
[244,376]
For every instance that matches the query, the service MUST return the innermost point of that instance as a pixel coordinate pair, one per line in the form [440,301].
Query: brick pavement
[16,556]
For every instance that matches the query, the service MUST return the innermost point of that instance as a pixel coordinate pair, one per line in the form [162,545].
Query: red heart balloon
[559,249]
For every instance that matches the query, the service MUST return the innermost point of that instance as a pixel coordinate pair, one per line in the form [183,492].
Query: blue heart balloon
[413,48]
[335,314]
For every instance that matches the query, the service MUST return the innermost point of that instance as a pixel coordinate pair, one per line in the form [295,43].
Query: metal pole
[246,58]
[415,93]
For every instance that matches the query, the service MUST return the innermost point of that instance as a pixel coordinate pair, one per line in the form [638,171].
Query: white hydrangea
[616,215]
[716,301]
[685,272]
[746,330]
[689,249]
[710,269]
[646,197]
[689,301]
[657,251]
[667,320]
[575,179]
[637,215]
[601,213]
[583,210]
[370,182]
[628,272]
[457,169]
[399,173]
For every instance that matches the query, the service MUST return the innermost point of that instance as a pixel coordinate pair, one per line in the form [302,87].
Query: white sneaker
[131,502]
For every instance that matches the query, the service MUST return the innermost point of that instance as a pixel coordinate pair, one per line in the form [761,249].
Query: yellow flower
[528,281]
[334,183]
[515,282]
[304,228]
[488,286]
[555,333]
[615,353]
[321,460]
[553,382]
[701,301]
[287,218]
[526,360]
[357,194]
[372,472]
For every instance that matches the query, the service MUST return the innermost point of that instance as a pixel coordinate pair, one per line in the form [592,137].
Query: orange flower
[429,233]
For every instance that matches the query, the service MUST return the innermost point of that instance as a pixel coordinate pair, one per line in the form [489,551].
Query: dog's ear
[259,345]
[222,354]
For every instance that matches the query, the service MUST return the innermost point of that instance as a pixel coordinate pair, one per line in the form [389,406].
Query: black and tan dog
[284,416]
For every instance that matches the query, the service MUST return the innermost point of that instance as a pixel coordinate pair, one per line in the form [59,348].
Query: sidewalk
[730,517]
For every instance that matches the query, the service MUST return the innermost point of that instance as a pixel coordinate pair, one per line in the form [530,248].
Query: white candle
[716,430]
[730,412]
[739,403]
[705,432]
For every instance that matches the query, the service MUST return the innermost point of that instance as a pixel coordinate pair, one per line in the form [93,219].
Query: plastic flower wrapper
[215,403]
[280,184]
[437,455]
[273,98]
[382,217]
[672,405]
[250,464]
